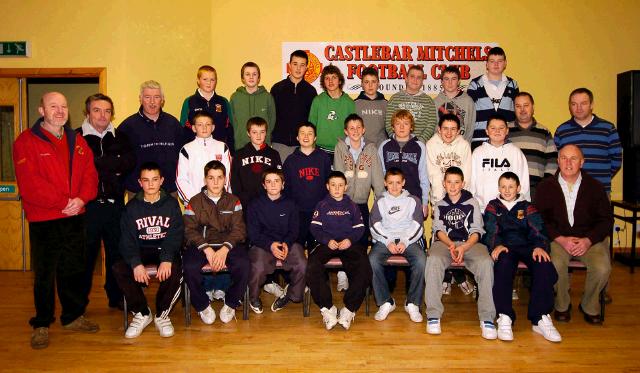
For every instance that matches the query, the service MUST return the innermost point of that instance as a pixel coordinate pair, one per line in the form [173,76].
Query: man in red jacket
[56,177]
[578,218]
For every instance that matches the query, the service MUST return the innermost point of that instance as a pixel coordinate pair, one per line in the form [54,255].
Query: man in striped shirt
[597,138]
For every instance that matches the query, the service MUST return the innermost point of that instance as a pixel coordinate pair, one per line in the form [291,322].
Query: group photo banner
[392,60]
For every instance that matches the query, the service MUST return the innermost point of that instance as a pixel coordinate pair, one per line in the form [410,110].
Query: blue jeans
[417,260]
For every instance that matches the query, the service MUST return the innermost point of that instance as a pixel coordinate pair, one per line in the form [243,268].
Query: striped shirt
[421,107]
[600,144]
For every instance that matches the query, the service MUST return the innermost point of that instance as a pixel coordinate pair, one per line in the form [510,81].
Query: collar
[347,141]
[205,96]
[87,129]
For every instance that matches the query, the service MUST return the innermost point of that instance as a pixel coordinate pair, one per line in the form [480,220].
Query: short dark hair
[336,174]
[417,68]
[453,170]
[524,94]
[150,166]
[249,64]
[299,53]
[450,117]
[308,124]
[272,171]
[98,97]
[257,121]
[393,171]
[496,51]
[510,176]
[580,90]
[202,114]
[451,69]
[496,116]
[351,117]
[214,165]
[331,69]
[370,71]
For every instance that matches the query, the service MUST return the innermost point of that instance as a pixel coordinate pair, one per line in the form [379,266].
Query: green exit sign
[14,49]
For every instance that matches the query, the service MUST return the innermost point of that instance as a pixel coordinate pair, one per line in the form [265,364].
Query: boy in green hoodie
[250,100]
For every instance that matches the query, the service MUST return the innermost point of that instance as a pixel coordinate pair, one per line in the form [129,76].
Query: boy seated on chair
[272,225]
[457,229]
[515,233]
[337,226]
[396,228]
[152,232]
[215,234]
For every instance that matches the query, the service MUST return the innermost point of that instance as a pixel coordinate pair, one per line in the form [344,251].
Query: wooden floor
[285,341]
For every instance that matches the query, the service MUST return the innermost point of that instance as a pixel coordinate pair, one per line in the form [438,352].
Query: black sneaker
[280,303]
[256,305]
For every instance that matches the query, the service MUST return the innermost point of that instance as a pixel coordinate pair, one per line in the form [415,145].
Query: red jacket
[44,188]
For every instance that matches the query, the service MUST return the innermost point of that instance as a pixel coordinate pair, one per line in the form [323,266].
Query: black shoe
[280,303]
[591,319]
[256,305]
[562,316]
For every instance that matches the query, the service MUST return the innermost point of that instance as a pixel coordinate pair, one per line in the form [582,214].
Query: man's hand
[539,255]
[220,258]
[425,211]
[285,250]
[344,244]
[208,252]
[392,247]
[333,245]
[140,274]
[164,271]
[73,206]
[277,249]
[567,243]
[400,248]
[497,251]
[581,245]
[457,254]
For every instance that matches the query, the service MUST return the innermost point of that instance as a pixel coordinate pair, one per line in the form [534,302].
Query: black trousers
[103,224]
[57,257]
[356,264]
[168,291]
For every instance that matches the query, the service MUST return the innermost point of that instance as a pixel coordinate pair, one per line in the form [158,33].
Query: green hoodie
[244,106]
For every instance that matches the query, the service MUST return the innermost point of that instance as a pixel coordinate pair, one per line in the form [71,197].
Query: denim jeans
[417,260]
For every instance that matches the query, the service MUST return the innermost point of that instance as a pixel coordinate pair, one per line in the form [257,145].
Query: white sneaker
[164,326]
[488,330]
[514,295]
[208,315]
[218,295]
[504,328]
[446,288]
[137,325]
[384,311]
[274,289]
[227,314]
[547,330]
[413,311]
[343,281]
[210,294]
[329,316]
[346,317]
[433,326]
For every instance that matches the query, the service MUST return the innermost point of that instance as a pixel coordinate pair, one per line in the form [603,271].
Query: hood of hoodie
[363,96]
[437,141]
[403,194]
[465,195]
[243,90]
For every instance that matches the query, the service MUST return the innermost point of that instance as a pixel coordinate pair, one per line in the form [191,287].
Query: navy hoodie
[272,221]
[293,103]
[305,177]
[247,168]
[337,220]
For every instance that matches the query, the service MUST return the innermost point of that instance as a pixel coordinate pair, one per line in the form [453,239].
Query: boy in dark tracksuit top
[305,173]
[206,99]
[152,232]
[337,226]
[514,233]
[215,234]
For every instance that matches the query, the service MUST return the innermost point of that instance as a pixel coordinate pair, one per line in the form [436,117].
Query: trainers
[40,338]
[466,287]
[446,288]
[329,317]
[137,325]
[81,324]
[208,315]
[433,326]
[547,330]
[343,281]
[346,317]
[504,328]
[514,295]
[256,305]
[274,289]
[385,310]
[280,303]
[164,326]
[488,330]
[413,311]
[210,295]
[218,295]
[227,314]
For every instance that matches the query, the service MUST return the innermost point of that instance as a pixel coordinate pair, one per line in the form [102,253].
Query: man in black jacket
[113,158]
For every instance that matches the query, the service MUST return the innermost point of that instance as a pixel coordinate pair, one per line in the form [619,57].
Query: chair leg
[245,305]
[187,305]
[125,312]
[603,302]
[306,302]
[367,296]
